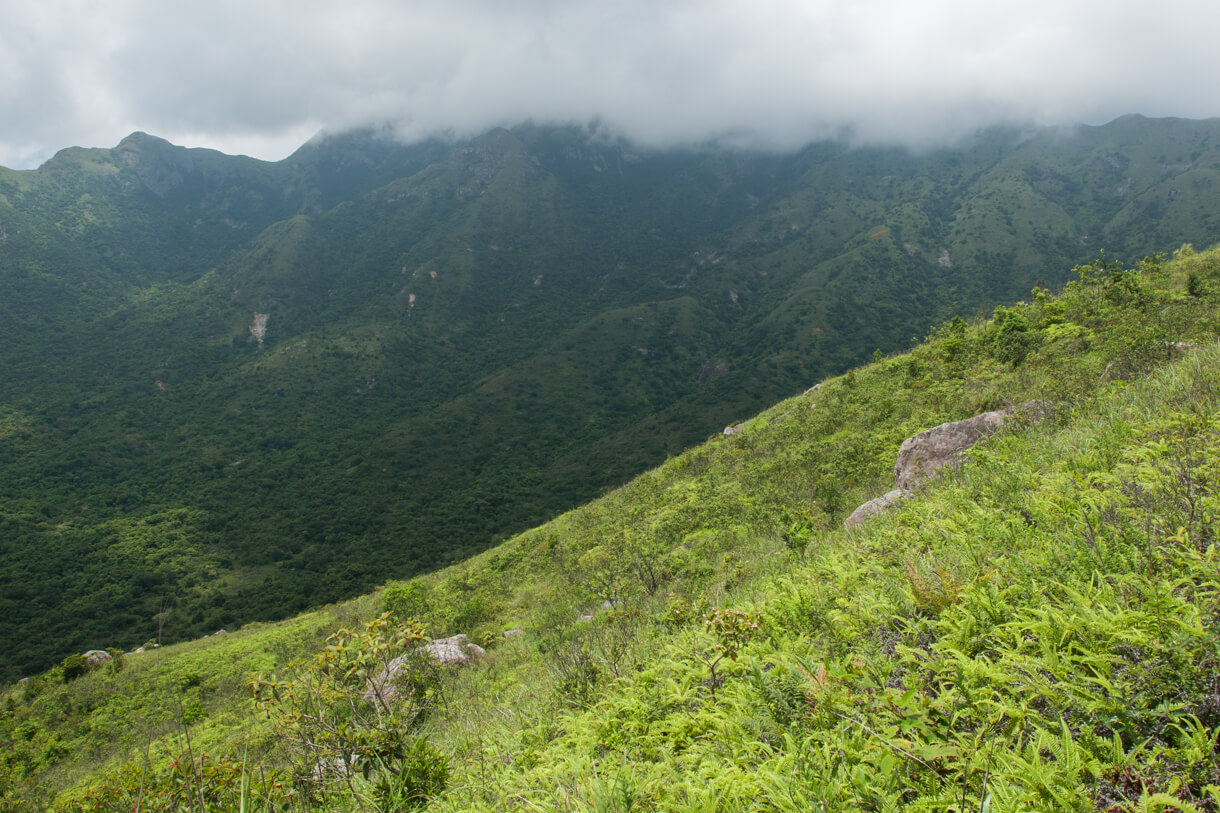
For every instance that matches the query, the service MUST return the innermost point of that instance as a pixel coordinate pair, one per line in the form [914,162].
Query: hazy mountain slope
[463,339]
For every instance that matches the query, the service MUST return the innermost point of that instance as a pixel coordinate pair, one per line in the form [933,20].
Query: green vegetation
[465,340]
[1033,631]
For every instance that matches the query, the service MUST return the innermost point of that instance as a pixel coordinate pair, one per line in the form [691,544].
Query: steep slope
[460,340]
[1036,629]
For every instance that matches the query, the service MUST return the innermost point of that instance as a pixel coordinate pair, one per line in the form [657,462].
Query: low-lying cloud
[261,77]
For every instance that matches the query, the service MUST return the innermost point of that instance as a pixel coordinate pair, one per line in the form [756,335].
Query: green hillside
[459,341]
[1033,631]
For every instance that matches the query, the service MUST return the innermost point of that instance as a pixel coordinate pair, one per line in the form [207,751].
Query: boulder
[95,656]
[455,651]
[875,506]
[513,633]
[729,431]
[922,455]
[382,687]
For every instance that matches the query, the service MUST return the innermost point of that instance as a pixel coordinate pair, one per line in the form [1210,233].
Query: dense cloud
[261,76]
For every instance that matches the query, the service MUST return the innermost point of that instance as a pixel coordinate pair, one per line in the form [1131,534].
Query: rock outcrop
[875,506]
[95,656]
[922,455]
[258,329]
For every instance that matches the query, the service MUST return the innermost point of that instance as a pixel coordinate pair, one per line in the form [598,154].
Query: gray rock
[729,431]
[382,687]
[513,633]
[95,656]
[611,603]
[875,506]
[455,651]
[924,454]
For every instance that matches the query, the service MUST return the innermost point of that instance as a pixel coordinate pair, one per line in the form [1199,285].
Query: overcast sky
[262,76]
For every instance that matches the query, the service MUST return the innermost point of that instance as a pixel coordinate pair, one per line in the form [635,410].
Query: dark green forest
[233,390]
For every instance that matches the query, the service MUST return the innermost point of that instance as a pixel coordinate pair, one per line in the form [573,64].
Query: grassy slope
[956,651]
[1036,629]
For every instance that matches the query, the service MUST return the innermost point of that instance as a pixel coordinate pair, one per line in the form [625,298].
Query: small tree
[603,569]
[733,629]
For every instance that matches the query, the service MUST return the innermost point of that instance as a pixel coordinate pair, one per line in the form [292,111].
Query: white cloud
[258,76]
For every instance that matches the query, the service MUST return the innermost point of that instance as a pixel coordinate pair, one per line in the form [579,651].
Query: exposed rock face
[95,656]
[875,506]
[513,633]
[922,455]
[729,431]
[258,329]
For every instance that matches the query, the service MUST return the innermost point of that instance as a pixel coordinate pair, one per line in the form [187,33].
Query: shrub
[74,666]
[349,716]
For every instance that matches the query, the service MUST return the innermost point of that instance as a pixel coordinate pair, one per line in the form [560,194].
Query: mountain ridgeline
[236,389]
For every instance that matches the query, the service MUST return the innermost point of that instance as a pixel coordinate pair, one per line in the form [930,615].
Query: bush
[348,716]
[405,600]
[74,666]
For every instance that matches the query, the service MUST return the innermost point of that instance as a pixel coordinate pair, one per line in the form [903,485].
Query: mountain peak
[142,139]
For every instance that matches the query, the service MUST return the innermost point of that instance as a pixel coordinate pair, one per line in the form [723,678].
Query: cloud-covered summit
[261,76]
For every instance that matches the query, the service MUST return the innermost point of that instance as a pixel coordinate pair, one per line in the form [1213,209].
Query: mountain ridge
[424,304]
